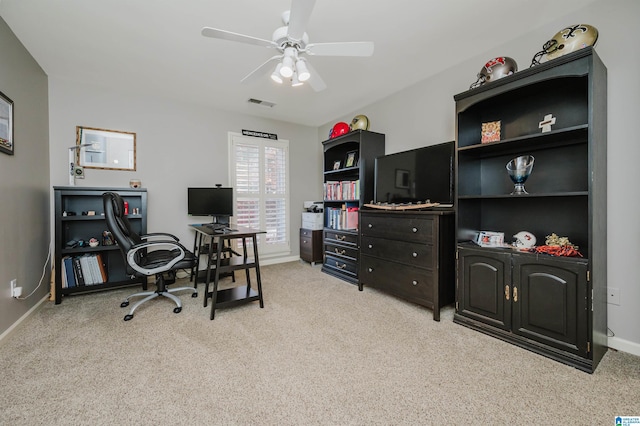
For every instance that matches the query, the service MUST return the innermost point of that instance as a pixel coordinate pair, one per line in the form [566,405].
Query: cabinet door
[484,288]
[551,303]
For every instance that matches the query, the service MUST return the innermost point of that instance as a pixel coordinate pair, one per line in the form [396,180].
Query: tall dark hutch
[349,163]
[555,306]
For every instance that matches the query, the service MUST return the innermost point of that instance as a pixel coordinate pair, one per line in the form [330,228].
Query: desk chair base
[166,292]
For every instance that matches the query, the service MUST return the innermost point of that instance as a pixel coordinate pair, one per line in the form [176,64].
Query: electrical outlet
[613,296]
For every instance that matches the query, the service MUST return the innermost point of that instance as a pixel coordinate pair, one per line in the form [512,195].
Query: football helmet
[495,69]
[340,128]
[360,122]
[567,40]
[524,240]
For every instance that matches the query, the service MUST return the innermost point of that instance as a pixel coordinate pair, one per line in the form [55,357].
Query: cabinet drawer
[343,252]
[406,229]
[414,254]
[404,281]
[331,236]
[343,265]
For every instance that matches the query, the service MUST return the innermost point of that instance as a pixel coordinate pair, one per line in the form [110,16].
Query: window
[259,171]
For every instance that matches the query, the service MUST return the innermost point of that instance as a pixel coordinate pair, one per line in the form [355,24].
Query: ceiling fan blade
[315,81]
[228,35]
[261,70]
[349,48]
[299,17]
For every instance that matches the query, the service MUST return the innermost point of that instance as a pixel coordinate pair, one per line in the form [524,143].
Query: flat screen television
[216,202]
[419,175]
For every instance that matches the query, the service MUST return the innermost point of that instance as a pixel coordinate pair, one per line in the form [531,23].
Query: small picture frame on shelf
[351,160]
[490,132]
[336,165]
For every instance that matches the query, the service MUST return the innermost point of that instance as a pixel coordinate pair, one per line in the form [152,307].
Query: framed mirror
[106,149]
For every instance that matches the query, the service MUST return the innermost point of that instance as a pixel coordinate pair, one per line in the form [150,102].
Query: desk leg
[244,253]
[259,281]
[208,279]
[214,292]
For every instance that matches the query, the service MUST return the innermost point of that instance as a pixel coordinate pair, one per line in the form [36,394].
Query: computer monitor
[215,202]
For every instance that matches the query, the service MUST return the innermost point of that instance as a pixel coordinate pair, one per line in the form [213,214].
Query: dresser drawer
[343,265]
[310,245]
[418,229]
[413,284]
[414,254]
[350,253]
[331,236]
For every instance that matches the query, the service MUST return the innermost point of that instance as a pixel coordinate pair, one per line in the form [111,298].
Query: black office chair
[156,254]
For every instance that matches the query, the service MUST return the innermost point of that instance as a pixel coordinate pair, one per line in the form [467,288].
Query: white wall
[424,114]
[178,145]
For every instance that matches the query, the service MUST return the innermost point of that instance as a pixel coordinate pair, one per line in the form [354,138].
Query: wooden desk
[223,265]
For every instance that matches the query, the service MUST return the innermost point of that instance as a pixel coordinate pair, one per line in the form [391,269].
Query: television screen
[418,175]
[217,202]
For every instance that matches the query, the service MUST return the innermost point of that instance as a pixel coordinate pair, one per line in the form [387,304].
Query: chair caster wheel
[194,295]
[128,317]
[177,310]
[124,304]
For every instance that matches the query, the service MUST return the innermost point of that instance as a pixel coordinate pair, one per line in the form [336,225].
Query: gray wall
[424,114]
[24,182]
[178,145]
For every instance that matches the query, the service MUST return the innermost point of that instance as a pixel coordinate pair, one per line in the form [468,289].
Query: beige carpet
[320,352]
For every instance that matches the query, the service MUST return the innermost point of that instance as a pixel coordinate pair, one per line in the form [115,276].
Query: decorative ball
[360,122]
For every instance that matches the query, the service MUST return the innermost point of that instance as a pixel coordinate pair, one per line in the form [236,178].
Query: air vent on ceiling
[261,102]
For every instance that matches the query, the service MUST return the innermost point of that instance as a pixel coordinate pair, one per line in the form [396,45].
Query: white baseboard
[624,345]
[23,317]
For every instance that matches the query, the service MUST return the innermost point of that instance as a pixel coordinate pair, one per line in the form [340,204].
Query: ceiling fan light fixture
[303,72]
[287,67]
[275,76]
[295,81]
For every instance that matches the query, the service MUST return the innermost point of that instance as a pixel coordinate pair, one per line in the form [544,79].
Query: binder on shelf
[86,270]
[77,270]
[69,278]
[102,267]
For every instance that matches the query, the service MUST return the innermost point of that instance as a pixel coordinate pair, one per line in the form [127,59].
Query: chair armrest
[169,245]
[159,234]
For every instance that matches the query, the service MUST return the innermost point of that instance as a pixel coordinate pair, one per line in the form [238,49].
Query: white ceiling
[154,47]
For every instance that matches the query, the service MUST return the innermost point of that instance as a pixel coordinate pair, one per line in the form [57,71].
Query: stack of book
[345,217]
[342,190]
[88,269]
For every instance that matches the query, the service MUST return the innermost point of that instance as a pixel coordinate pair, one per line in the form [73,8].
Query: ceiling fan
[292,44]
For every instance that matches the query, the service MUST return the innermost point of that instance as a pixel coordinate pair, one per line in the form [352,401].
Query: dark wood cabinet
[555,306]
[349,163]
[537,301]
[311,245]
[409,255]
[79,216]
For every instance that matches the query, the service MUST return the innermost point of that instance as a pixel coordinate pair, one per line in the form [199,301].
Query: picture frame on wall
[336,165]
[6,124]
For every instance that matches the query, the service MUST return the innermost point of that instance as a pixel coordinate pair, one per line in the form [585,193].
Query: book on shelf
[77,271]
[86,270]
[68,275]
[102,267]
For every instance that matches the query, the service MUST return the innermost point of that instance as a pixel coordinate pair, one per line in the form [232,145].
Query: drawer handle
[414,229]
[369,269]
[414,282]
[370,246]
[344,265]
[304,241]
[506,292]
[370,225]
[340,251]
[414,254]
[340,237]
[515,294]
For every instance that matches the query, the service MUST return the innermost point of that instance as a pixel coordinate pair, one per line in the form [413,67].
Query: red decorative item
[339,129]
[126,207]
